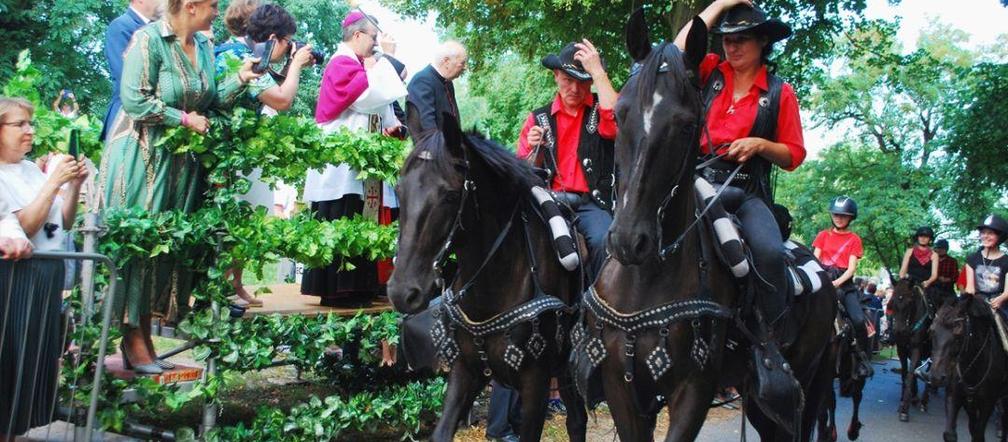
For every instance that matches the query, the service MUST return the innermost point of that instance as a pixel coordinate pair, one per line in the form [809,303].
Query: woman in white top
[30,291]
[13,242]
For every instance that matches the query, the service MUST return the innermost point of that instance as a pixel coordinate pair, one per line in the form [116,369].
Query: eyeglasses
[23,124]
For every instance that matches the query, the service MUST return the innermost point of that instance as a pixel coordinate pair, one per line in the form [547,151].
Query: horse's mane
[649,69]
[508,168]
[502,162]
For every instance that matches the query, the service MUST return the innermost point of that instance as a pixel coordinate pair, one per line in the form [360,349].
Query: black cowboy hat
[565,62]
[751,19]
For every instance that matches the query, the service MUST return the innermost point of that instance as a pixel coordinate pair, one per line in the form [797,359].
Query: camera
[318,55]
[264,52]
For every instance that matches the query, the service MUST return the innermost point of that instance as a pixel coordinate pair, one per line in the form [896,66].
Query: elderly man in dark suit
[117,37]
[431,92]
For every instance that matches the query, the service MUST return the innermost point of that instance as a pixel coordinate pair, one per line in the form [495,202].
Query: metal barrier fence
[25,279]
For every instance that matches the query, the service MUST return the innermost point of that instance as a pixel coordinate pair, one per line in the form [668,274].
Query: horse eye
[452,197]
[689,129]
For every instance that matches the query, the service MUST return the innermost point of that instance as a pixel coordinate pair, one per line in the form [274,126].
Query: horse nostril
[640,244]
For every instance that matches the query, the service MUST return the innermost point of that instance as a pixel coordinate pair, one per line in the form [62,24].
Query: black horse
[657,323]
[970,361]
[851,385]
[912,312]
[506,314]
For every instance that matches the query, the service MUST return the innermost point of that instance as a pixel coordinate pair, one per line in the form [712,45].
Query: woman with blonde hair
[168,81]
[45,207]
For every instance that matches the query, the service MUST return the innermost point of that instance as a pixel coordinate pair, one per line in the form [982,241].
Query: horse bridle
[972,389]
[665,251]
[468,189]
[468,186]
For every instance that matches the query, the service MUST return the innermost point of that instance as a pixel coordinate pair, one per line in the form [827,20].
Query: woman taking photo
[30,309]
[168,81]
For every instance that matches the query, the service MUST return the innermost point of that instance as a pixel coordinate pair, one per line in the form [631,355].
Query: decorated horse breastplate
[450,318]
[661,317]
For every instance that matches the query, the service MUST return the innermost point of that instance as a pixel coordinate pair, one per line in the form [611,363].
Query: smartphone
[73,149]
[264,52]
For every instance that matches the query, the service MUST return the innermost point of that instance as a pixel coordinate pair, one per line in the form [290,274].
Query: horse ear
[696,47]
[638,40]
[977,307]
[413,121]
[452,131]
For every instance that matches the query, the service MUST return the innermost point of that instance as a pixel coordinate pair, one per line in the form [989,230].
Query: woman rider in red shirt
[752,120]
[839,249]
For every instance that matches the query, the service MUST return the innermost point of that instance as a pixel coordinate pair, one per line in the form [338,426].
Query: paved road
[878,413]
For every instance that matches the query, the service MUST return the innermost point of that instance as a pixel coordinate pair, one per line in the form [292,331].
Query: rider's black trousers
[761,233]
[851,300]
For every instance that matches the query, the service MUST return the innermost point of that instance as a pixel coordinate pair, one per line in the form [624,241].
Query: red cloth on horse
[727,122]
[836,248]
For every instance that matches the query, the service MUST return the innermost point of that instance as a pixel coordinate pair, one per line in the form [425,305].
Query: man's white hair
[449,49]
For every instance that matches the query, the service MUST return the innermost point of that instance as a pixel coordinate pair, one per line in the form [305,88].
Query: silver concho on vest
[718,85]
[764,101]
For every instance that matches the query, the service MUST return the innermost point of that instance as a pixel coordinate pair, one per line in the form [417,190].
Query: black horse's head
[659,116]
[431,190]
[954,326]
[907,306]
[455,192]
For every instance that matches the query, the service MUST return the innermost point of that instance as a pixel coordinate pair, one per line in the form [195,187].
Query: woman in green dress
[168,80]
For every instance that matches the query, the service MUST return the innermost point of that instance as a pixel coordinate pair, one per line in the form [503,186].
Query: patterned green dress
[159,83]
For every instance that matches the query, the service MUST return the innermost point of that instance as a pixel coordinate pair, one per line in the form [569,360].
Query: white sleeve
[9,225]
[384,87]
[388,118]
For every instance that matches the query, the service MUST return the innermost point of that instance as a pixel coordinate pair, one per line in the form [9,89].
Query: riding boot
[777,392]
[864,369]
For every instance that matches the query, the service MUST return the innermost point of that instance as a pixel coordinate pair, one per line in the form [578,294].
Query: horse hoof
[833,435]
[904,417]
[949,437]
[854,431]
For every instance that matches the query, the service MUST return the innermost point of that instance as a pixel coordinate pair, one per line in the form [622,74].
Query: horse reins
[665,251]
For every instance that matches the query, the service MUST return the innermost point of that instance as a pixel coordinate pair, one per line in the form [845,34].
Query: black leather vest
[595,154]
[757,168]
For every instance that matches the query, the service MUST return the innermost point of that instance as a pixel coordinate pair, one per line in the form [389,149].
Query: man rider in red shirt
[572,138]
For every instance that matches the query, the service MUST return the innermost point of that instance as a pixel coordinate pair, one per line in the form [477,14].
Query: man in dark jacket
[117,37]
[431,91]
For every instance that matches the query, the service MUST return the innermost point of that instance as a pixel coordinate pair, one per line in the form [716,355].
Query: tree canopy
[532,29]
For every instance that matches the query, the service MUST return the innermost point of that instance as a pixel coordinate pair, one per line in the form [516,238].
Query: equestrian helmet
[843,205]
[924,231]
[997,224]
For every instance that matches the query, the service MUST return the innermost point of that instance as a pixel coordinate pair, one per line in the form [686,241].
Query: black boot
[777,392]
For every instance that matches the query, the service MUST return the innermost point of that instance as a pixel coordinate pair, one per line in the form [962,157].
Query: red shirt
[569,175]
[727,123]
[836,248]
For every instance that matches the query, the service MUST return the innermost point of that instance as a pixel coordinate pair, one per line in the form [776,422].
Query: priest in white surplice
[357,92]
